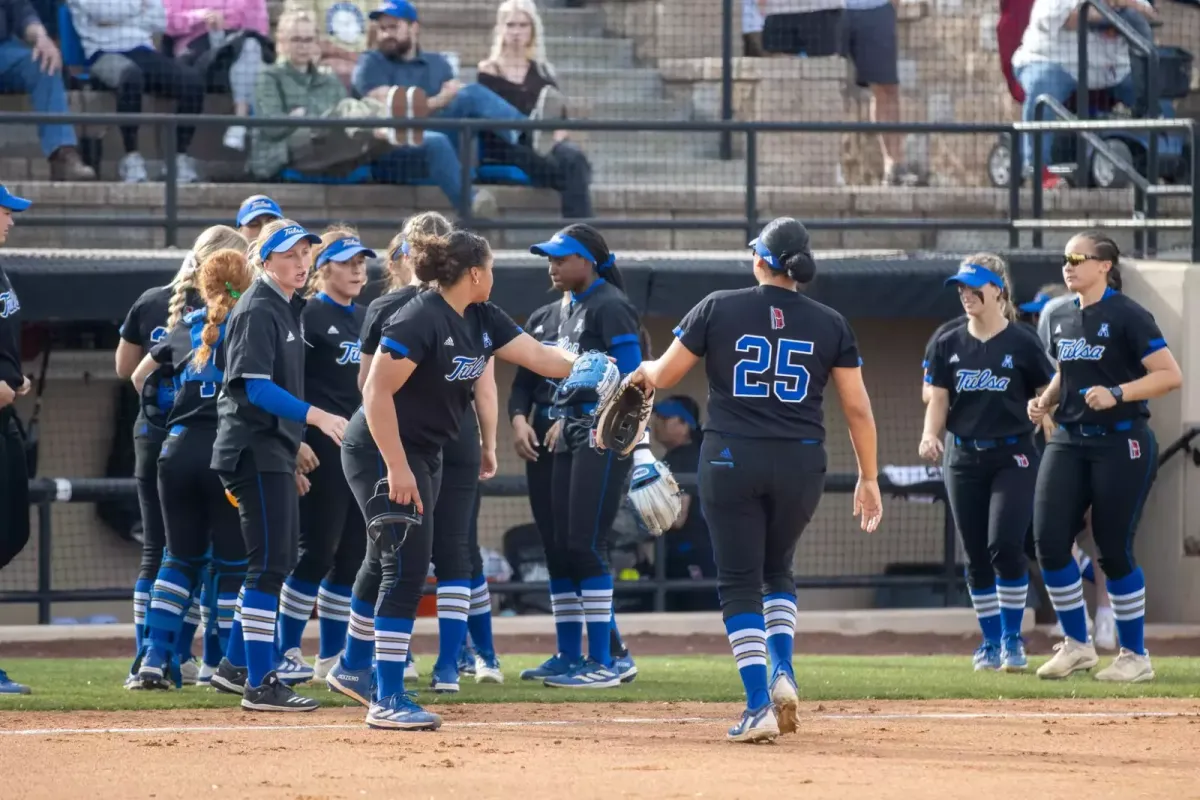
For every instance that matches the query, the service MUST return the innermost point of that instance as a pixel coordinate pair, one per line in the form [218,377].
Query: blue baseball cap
[342,250]
[400,9]
[285,239]
[975,276]
[257,206]
[679,407]
[11,201]
[1035,305]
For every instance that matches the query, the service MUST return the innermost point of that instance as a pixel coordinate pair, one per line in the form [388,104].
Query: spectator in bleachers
[30,62]
[517,70]
[118,38]
[227,42]
[752,27]
[343,26]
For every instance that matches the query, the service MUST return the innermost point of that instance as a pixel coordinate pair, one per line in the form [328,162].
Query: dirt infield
[843,750]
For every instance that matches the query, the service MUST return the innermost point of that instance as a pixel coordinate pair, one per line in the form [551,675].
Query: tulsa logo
[158,334]
[467,368]
[1079,350]
[9,305]
[974,380]
[568,345]
[351,353]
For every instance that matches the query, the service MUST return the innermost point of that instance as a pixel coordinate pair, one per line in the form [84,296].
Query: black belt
[1080,429]
[985,444]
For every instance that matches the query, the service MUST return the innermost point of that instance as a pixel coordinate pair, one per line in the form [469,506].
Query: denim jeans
[20,74]
[475,101]
[435,158]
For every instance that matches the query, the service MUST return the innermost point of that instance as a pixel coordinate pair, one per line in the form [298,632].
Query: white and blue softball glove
[653,492]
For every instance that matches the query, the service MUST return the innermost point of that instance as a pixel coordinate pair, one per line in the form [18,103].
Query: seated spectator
[295,87]
[344,33]
[517,71]
[29,62]
[227,42]
[118,40]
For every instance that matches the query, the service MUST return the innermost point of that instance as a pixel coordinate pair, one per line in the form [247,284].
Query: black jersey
[145,326]
[450,352]
[529,388]
[1101,345]
[941,330]
[264,340]
[331,333]
[196,390]
[990,383]
[10,335]
[379,311]
[598,318]
[768,354]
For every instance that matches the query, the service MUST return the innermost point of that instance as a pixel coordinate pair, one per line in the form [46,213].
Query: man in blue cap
[14,477]
[257,210]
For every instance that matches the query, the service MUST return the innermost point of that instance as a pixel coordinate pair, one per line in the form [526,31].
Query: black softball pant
[1113,474]
[14,488]
[588,486]
[456,545]
[991,497]
[269,517]
[539,477]
[394,581]
[333,536]
[148,441]
[758,495]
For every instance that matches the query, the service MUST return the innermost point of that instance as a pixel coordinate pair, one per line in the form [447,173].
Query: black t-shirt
[10,335]
[529,388]
[1101,345]
[948,325]
[379,311]
[768,354]
[145,326]
[331,332]
[196,390]
[990,383]
[264,338]
[450,352]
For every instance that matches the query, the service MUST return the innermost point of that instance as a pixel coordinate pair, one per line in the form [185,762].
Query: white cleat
[786,700]
[411,673]
[756,725]
[189,672]
[322,666]
[1069,656]
[205,675]
[1127,667]
[1105,636]
[488,671]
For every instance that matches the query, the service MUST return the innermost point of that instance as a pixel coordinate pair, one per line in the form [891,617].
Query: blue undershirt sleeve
[274,399]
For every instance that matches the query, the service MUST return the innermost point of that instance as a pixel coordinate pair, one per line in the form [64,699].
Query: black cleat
[275,695]
[228,678]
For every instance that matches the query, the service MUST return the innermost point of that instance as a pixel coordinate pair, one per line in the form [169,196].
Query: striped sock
[479,622]
[333,617]
[779,615]
[296,601]
[615,643]
[1013,596]
[1066,595]
[1087,570]
[597,594]
[170,600]
[141,599]
[211,649]
[187,634]
[392,635]
[259,612]
[226,610]
[453,604]
[235,648]
[567,607]
[987,609]
[360,635]
[1128,596]
[748,638]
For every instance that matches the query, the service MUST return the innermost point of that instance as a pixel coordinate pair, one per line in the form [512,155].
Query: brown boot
[409,102]
[66,165]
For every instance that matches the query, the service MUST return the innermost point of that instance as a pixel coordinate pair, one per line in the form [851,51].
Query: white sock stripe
[564,596]
[460,591]
[780,616]
[1066,598]
[751,661]
[161,585]
[748,635]
[400,655]
[291,591]
[482,590]
[193,615]
[1139,594]
[452,614]
[392,636]
[141,596]
[986,605]
[252,636]
[1013,596]
[451,601]
[596,603]
[1129,615]
[777,629]
[780,603]
[332,616]
[481,603]
[170,606]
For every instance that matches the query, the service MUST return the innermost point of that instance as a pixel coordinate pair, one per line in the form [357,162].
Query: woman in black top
[1112,359]
[981,376]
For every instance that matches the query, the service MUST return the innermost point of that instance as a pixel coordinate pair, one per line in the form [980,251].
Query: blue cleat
[987,656]
[1012,654]
[554,665]
[9,686]
[357,684]
[401,712]
[625,668]
[444,680]
[587,674]
[757,725]
[293,669]
[156,668]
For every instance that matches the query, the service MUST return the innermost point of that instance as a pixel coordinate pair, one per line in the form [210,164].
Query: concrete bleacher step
[664,171]
[608,108]
[644,144]
[557,22]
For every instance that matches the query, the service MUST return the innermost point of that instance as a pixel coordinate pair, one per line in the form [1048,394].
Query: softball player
[256,211]
[769,352]
[1112,359]
[260,425]
[414,400]
[333,539]
[195,511]
[982,376]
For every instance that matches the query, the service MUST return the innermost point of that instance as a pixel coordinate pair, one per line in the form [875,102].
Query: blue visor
[561,246]
[343,250]
[11,201]
[672,408]
[402,250]
[761,249]
[285,239]
[400,9]
[258,206]
[1035,305]
[975,276]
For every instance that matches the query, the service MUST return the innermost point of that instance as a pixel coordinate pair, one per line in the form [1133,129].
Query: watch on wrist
[1117,393]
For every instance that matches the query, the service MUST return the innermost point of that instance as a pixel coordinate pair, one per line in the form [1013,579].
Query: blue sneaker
[401,712]
[156,668]
[1012,654]
[466,661]
[293,669]
[587,674]
[9,686]
[757,725]
[557,664]
[624,666]
[357,684]
[987,656]
[444,680]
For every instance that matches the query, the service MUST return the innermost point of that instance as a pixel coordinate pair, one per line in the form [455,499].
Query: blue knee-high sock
[748,638]
[779,615]
[360,636]
[1066,595]
[1087,570]
[259,613]
[170,601]
[597,594]
[235,649]
[333,617]
[568,617]
[191,622]
[1013,596]
[392,635]
[615,642]
[479,622]
[1128,596]
[141,598]
[453,606]
[987,610]
[211,649]
[229,615]
[296,601]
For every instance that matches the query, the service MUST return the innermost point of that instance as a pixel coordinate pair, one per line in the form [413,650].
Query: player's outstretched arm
[666,370]
[856,405]
[526,351]
[935,423]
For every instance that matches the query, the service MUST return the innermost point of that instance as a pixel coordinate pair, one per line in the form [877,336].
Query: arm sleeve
[162,352]
[499,325]
[23,15]
[1038,366]
[847,350]
[406,335]
[928,359]
[250,345]
[693,330]
[618,324]
[371,331]
[131,328]
[628,356]
[939,374]
[274,399]
[441,70]
[1043,332]
[369,73]
[1142,333]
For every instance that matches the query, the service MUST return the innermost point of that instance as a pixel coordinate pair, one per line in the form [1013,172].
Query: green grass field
[95,684]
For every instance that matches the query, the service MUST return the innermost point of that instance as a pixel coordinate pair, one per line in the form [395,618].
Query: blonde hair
[999,266]
[292,16]
[268,230]
[218,237]
[1053,290]
[334,233]
[428,223]
[221,279]
[536,51]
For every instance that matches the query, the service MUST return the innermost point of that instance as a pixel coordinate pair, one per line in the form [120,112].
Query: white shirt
[1047,40]
[800,6]
[117,26]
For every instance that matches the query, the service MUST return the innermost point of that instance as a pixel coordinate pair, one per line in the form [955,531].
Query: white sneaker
[190,671]
[487,671]
[293,669]
[1106,629]
[322,666]
[235,137]
[1069,656]
[484,205]
[132,168]
[132,683]
[1127,667]
[410,669]
[786,701]
[185,169]
[205,674]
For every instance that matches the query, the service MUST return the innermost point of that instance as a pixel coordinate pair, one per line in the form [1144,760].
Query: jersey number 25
[788,381]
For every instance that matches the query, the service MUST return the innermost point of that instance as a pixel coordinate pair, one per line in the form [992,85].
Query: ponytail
[1107,250]
[222,278]
[210,241]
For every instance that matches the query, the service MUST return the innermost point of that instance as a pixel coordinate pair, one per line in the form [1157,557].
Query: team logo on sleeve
[1079,350]
[1103,330]
[776,318]
[487,340]
[158,334]
[975,380]
[1022,460]
[1135,449]
[351,353]
[1007,363]
[9,304]
[467,368]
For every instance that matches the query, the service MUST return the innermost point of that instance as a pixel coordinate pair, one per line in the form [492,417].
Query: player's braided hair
[221,279]
[218,237]
[1106,250]
[400,270]
[444,259]
[316,280]
[999,266]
